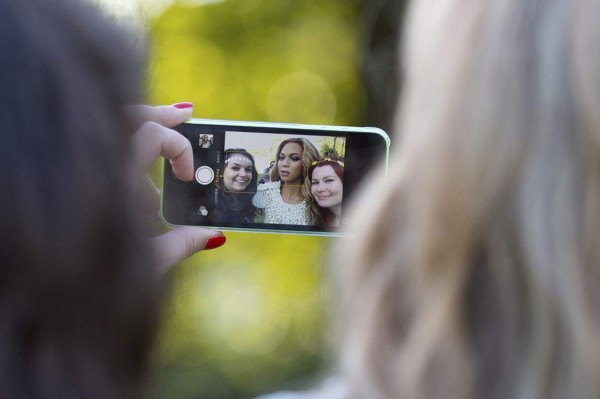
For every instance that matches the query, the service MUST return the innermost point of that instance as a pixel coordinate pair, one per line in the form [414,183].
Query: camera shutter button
[205,175]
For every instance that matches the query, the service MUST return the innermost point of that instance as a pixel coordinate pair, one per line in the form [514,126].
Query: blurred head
[240,172]
[77,303]
[327,188]
[475,273]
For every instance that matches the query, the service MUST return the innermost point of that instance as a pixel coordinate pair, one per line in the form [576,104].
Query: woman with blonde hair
[476,270]
[284,198]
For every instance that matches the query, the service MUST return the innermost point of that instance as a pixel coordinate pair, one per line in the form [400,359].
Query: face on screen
[237,172]
[326,186]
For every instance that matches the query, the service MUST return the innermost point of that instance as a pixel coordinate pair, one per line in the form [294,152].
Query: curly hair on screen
[309,155]
[476,271]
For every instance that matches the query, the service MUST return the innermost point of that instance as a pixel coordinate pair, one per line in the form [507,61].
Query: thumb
[166,115]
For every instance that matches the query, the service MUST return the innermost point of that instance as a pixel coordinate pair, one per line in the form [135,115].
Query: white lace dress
[268,197]
[333,388]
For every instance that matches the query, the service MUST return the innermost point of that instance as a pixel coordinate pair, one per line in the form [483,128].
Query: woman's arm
[264,194]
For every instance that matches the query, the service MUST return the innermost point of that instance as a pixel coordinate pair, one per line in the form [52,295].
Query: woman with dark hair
[240,179]
[284,198]
[79,286]
[327,188]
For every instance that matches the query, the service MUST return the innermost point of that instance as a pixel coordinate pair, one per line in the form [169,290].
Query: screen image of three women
[303,188]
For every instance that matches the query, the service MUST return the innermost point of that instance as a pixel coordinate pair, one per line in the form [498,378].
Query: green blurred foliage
[286,61]
[250,317]
[244,319]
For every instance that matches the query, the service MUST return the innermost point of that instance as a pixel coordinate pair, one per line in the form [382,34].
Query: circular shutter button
[204,175]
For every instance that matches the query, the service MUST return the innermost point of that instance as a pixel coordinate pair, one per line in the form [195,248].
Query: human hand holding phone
[153,138]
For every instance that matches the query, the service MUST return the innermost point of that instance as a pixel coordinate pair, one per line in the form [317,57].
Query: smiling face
[326,186]
[237,175]
[290,163]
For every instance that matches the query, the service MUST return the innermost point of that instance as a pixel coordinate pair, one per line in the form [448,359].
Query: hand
[151,139]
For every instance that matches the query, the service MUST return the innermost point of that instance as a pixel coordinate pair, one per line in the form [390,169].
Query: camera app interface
[249,178]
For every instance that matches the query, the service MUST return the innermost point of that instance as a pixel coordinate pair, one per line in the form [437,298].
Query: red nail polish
[183,105]
[215,242]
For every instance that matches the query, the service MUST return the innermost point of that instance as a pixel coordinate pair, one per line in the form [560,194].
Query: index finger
[153,139]
[166,115]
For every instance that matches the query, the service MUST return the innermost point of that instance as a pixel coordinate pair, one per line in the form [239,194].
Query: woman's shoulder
[273,185]
[333,388]
[266,194]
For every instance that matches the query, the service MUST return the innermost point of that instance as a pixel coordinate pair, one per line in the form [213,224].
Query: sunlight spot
[248,325]
[301,97]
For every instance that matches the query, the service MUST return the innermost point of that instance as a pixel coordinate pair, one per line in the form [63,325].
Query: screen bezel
[365,146]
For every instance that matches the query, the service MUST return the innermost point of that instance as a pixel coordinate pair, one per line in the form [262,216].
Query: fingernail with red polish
[215,242]
[183,105]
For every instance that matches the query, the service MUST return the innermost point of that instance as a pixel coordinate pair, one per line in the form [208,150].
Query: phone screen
[270,177]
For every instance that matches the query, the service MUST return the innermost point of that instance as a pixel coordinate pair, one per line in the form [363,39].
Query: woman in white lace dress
[284,197]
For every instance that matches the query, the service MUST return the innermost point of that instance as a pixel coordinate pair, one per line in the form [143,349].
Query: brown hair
[78,295]
[476,270]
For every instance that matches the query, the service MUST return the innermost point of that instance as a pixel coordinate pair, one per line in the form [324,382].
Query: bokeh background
[253,316]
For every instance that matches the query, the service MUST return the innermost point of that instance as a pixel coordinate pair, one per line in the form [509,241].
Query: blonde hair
[476,270]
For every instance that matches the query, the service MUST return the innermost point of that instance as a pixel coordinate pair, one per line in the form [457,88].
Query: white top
[277,211]
[333,388]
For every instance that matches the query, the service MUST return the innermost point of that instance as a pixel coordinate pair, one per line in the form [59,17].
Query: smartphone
[271,177]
